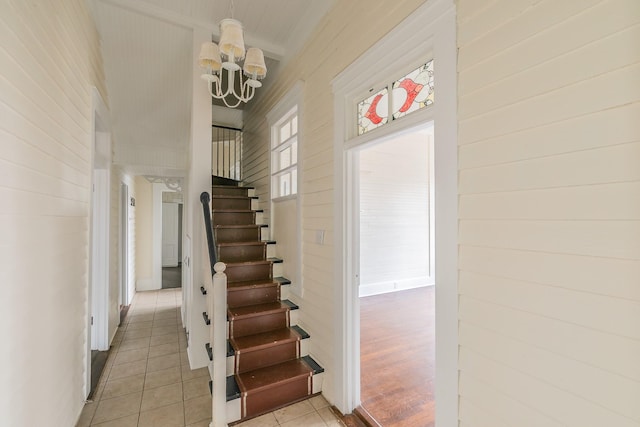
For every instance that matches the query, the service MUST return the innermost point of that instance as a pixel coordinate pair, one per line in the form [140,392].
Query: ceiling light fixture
[221,76]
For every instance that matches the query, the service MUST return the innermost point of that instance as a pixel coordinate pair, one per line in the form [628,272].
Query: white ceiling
[147,54]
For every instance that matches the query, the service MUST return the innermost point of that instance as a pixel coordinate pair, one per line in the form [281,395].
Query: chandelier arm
[250,92]
[242,87]
[224,99]
[215,82]
[231,83]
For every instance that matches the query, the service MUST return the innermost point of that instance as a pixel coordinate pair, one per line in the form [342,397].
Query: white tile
[310,420]
[294,411]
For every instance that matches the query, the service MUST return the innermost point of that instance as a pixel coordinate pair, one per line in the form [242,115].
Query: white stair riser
[234,410]
[271,251]
[278,270]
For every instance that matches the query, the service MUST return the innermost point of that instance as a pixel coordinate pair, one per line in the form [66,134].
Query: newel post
[218,308]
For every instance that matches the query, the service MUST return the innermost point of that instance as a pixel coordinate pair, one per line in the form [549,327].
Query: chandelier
[223,76]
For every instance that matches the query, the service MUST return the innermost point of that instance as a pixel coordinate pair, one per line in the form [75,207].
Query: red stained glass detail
[371,112]
[413,89]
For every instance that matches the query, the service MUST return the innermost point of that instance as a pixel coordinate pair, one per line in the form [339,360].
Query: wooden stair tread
[231,186]
[231,196]
[252,284]
[215,211]
[258,309]
[265,339]
[238,226]
[243,263]
[262,378]
[243,243]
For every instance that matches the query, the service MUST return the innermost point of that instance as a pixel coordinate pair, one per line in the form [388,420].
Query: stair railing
[226,152]
[217,308]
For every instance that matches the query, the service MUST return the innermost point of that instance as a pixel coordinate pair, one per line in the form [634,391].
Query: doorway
[171,240]
[124,251]
[393,183]
[99,260]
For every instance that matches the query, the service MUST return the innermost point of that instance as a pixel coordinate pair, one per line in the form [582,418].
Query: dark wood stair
[269,370]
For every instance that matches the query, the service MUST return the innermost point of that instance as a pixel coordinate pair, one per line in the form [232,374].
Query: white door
[170,234]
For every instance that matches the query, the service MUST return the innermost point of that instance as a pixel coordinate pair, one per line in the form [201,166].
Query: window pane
[294,125]
[413,91]
[373,111]
[294,152]
[294,181]
[285,185]
[285,158]
[285,132]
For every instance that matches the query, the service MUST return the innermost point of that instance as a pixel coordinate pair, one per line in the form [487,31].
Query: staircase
[267,362]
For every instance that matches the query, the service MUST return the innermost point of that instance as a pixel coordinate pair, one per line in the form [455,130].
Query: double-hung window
[284,156]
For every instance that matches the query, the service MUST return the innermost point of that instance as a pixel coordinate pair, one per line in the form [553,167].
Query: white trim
[100,258]
[388,286]
[99,195]
[123,299]
[293,99]
[432,27]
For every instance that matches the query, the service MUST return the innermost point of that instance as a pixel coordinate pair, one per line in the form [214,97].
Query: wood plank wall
[49,58]
[549,168]
[344,34]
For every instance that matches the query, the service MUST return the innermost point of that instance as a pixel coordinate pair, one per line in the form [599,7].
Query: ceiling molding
[149,10]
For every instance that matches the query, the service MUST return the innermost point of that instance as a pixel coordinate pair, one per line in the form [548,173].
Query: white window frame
[292,169]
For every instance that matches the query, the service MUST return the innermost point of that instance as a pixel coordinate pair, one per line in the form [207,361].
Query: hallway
[147,380]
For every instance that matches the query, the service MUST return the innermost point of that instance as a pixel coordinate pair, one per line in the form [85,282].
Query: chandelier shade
[220,62]
[210,56]
[231,39]
[254,64]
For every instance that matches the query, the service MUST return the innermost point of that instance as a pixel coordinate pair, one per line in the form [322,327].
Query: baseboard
[349,420]
[146,284]
[370,289]
[366,418]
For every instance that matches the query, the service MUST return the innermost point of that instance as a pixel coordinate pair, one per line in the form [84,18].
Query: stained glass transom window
[373,112]
[413,91]
[408,93]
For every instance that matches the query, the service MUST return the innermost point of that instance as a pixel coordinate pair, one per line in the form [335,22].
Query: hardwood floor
[397,346]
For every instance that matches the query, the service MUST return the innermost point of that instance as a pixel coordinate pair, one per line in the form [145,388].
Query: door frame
[99,215]
[394,52]
[124,245]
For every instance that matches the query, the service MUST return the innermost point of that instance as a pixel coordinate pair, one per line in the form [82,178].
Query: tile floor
[147,380]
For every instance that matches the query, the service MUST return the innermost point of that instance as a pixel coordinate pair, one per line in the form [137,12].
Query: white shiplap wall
[549,169]
[49,59]
[344,34]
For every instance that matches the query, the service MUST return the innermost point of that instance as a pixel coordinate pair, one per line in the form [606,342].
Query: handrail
[211,240]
